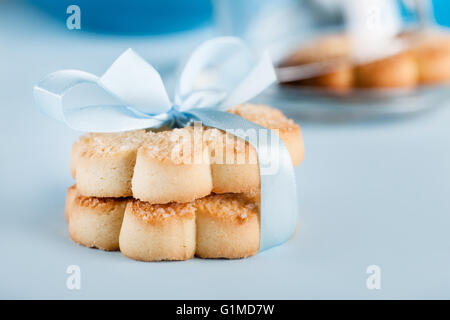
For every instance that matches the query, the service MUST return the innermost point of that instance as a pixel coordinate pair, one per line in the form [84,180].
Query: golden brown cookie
[94,222]
[274,119]
[397,71]
[158,232]
[177,165]
[330,47]
[216,226]
[103,163]
[431,51]
[227,226]
[173,167]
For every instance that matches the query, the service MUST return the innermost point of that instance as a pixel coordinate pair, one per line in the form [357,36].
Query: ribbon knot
[178,119]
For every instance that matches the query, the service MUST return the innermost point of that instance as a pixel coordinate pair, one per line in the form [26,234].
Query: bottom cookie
[158,232]
[95,222]
[227,226]
[216,226]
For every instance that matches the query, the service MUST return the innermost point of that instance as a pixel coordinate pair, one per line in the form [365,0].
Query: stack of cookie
[425,60]
[173,194]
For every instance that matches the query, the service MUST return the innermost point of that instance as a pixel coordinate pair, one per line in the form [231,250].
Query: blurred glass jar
[261,22]
[133,17]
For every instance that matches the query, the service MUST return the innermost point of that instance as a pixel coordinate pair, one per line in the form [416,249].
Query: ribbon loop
[141,88]
[50,90]
[224,72]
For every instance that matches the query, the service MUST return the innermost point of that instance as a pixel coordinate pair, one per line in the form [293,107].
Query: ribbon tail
[279,211]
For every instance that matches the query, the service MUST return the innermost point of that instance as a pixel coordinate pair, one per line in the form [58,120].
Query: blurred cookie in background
[431,51]
[327,62]
[337,75]
[396,71]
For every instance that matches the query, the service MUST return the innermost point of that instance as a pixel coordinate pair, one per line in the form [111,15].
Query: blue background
[141,17]
[134,16]
[370,193]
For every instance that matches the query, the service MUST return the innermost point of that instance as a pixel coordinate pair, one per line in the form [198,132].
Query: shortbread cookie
[227,226]
[177,165]
[95,222]
[172,160]
[331,47]
[426,61]
[173,166]
[158,232]
[234,163]
[216,226]
[274,119]
[339,80]
[397,71]
[103,163]
[431,51]
[72,193]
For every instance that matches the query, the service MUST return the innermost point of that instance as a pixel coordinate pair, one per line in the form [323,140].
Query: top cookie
[178,165]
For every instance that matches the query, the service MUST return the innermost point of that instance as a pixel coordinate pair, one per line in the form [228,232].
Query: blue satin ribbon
[220,74]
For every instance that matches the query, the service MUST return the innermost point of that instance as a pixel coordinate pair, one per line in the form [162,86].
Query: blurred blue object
[137,17]
[442,12]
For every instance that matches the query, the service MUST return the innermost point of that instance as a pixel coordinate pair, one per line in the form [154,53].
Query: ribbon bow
[220,74]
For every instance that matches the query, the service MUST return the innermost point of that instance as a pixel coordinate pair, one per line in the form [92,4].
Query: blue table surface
[370,194]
